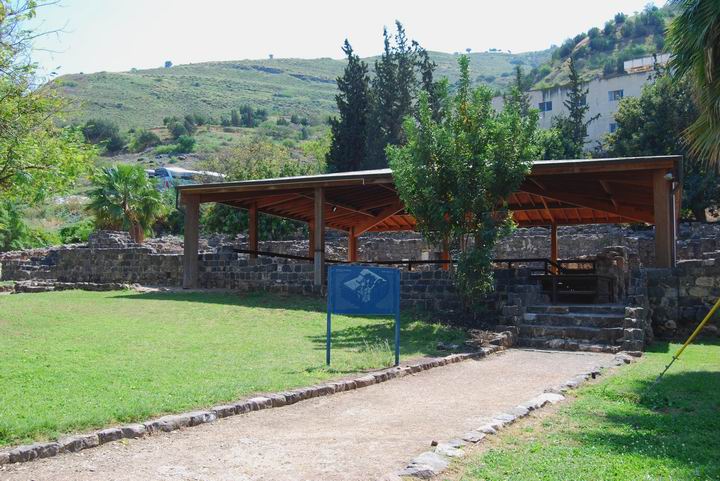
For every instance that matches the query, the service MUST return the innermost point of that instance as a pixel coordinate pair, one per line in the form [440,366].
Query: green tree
[694,39]
[349,131]
[253,159]
[573,127]
[105,133]
[123,197]
[143,139]
[37,158]
[234,118]
[392,95]
[653,124]
[437,91]
[455,176]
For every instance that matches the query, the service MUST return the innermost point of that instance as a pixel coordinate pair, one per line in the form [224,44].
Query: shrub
[185,144]
[15,233]
[105,133]
[143,139]
[77,232]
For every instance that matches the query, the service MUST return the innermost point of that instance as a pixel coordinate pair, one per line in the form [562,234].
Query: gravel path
[355,435]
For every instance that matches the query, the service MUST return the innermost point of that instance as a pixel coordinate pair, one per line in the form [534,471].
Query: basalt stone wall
[694,239]
[680,298]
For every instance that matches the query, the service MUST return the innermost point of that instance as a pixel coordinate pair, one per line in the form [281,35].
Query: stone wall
[680,298]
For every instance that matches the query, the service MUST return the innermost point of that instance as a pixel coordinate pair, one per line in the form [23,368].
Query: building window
[545,106]
[613,127]
[614,95]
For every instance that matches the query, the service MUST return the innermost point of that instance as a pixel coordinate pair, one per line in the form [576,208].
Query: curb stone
[425,467]
[79,442]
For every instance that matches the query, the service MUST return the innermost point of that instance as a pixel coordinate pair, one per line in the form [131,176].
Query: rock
[425,466]
[505,418]
[77,443]
[473,437]
[550,397]
[110,434]
[4,457]
[277,400]
[131,431]
[200,417]
[487,429]
[22,454]
[670,325]
[519,411]
[260,402]
[225,410]
[444,449]
[364,381]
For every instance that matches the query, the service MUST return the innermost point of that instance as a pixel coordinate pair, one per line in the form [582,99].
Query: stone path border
[431,463]
[79,442]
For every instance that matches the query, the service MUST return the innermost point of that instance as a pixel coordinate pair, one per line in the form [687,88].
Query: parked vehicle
[170,176]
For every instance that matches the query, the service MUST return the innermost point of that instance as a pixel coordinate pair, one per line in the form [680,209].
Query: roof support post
[352,245]
[664,213]
[319,254]
[190,244]
[445,255]
[253,231]
[553,247]
[311,239]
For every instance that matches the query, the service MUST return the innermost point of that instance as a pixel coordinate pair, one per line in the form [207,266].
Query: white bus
[170,176]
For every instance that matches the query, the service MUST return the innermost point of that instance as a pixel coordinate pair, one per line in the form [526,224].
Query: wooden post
[319,254]
[352,246]
[253,231]
[311,239]
[190,250]
[553,247]
[445,255]
[664,220]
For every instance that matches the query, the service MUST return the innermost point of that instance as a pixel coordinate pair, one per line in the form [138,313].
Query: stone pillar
[192,233]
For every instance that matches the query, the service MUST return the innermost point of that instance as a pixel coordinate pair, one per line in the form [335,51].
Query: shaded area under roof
[560,192]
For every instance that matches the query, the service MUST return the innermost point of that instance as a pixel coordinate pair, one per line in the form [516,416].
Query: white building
[603,97]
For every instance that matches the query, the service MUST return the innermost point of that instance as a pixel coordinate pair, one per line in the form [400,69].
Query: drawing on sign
[367,287]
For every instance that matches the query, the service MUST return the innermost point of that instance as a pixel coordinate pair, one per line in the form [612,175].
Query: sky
[117,35]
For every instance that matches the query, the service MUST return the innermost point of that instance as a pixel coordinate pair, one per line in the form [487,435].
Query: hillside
[306,87]
[602,50]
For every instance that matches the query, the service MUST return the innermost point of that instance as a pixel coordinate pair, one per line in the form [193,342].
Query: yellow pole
[692,337]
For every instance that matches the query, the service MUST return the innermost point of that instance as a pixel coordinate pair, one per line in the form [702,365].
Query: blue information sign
[361,290]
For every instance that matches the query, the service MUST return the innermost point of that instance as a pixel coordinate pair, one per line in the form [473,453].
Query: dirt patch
[356,435]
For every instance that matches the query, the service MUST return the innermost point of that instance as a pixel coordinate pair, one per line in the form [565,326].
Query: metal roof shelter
[558,192]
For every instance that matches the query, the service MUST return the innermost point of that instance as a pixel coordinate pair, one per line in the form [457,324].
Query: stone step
[594,334]
[567,344]
[574,319]
[578,308]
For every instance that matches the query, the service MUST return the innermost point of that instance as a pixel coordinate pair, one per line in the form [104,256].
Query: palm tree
[125,198]
[694,40]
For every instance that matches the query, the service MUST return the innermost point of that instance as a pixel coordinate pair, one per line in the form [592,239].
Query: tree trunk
[137,234]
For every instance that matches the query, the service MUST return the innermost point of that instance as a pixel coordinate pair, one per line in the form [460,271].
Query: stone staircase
[581,327]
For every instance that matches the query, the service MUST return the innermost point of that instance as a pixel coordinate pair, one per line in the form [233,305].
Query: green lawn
[620,428]
[74,360]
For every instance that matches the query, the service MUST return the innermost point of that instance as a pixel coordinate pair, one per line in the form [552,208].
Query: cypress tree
[392,94]
[574,127]
[349,131]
